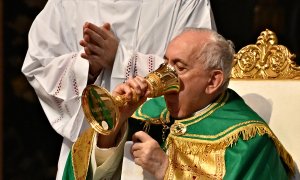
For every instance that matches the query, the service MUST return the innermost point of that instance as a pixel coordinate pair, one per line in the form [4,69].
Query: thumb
[140,136]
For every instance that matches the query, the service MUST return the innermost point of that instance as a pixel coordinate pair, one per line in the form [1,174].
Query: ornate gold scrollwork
[265,60]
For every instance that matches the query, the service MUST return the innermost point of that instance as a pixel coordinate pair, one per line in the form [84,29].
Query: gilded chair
[268,79]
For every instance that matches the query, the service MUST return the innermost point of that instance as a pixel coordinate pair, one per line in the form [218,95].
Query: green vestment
[227,140]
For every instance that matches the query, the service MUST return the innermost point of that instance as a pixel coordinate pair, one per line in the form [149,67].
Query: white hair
[217,53]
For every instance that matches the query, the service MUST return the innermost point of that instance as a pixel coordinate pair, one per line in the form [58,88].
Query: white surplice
[58,74]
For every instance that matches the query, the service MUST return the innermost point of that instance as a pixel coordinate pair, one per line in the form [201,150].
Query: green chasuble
[226,140]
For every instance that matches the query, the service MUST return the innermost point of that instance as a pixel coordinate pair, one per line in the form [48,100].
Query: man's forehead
[192,38]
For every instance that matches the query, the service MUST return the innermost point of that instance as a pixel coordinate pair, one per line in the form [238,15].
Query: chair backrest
[268,79]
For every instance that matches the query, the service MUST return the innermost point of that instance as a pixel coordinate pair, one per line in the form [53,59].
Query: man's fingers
[83,27]
[86,37]
[140,136]
[100,31]
[136,146]
[94,37]
[84,56]
[106,26]
[136,153]
[83,43]
[87,51]
[138,161]
[139,85]
[124,90]
[142,84]
[95,50]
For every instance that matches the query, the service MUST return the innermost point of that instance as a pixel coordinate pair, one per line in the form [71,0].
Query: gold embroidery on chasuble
[194,162]
[190,158]
[81,152]
[199,153]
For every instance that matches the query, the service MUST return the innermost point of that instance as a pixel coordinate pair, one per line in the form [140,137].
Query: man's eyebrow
[175,60]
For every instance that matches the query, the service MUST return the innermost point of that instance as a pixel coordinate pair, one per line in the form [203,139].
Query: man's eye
[180,68]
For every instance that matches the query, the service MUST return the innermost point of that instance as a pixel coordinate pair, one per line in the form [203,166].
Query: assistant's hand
[148,154]
[100,46]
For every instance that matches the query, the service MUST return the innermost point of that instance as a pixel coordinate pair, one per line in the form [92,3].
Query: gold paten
[265,60]
[102,109]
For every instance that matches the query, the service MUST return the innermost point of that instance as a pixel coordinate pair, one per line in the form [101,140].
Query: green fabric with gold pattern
[151,109]
[230,123]
[248,148]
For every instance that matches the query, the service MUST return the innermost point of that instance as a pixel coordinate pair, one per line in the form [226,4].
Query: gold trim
[141,114]
[225,131]
[179,127]
[81,153]
[212,106]
[265,60]
[210,110]
[143,117]
[246,131]
[162,118]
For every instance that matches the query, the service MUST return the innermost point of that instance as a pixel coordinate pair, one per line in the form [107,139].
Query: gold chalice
[102,109]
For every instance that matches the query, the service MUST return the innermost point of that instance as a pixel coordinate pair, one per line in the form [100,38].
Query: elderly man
[72,43]
[213,133]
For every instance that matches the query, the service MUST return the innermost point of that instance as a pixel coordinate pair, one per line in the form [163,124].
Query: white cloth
[106,163]
[58,74]
[130,170]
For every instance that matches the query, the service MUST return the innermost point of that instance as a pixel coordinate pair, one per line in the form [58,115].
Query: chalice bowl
[102,109]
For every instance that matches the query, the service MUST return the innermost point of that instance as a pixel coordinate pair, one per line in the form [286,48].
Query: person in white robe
[58,72]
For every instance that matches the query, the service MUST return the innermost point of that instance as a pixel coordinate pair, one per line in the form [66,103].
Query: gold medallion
[178,129]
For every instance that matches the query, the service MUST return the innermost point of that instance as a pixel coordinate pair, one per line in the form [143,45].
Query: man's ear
[215,82]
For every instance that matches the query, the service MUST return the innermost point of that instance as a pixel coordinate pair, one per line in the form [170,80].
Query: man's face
[181,53]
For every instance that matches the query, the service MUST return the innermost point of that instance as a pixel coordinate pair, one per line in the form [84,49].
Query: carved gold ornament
[265,60]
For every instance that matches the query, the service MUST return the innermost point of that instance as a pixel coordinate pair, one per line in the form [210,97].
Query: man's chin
[175,114]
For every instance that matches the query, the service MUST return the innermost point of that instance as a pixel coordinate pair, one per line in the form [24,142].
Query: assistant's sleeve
[194,14]
[130,64]
[256,158]
[172,17]
[55,70]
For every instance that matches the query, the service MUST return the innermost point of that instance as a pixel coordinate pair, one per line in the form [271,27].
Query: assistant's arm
[55,70]
[172,17]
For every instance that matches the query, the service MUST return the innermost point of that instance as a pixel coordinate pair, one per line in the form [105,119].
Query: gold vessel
[102,109]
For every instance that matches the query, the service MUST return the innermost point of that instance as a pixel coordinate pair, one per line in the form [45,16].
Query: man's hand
[133,87]
[137,86]
[148,154]
[100,46]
